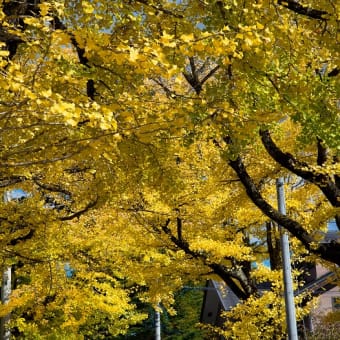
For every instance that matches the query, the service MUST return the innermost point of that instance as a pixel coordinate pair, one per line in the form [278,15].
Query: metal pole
[157,324]
[6,287]
[5,332]
[287,270]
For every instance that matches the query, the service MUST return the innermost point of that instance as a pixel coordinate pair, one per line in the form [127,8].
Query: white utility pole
[6,289]
[157,323]
[6,283]
[287,269]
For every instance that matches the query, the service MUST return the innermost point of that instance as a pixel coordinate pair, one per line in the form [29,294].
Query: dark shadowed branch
[296,7]
[328,251]
[324,181]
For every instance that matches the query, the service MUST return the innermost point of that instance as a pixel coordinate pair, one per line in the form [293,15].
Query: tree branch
[7,181]
[52,187]
[302,169]
[274,247]
[193,76]
[210,74]
[179,229]
[322,152]
[312,13]
[245,288]
[80,212]
[329,251]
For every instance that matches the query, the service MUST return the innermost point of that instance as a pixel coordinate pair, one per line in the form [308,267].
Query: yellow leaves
[3,53]
[100,116]
[254,321]
[61,38]
[107,121]
[46,93]
[67,110]
[2,14]
[87,7]
[259,26]
[167,40]
[36,22]
[163,163]
[92,45]
[133,55]
[187,37]
[265,274]
[44,8]
[220,249]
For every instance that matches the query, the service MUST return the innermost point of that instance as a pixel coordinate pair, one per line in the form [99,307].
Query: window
[336,302]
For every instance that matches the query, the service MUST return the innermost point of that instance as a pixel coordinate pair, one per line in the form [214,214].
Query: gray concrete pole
[287,269]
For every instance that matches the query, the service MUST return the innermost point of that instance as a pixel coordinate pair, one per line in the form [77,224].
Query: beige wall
[324,304]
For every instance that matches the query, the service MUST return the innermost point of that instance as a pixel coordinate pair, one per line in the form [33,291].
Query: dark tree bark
[312,13]
[274,247]
[329,185]
[193,77]
[16,11]
[322,152]
[325,182]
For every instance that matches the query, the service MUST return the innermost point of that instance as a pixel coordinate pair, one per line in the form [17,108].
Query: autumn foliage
[148,136]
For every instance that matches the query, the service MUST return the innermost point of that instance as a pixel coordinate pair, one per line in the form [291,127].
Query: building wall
[329,301]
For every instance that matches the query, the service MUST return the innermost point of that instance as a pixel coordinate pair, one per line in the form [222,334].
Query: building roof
[226,295]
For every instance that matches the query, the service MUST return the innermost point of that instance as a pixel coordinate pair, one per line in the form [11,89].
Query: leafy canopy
[136,126]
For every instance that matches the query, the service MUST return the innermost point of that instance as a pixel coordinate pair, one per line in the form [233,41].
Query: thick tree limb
[302,169]
[334,72]
[179,229]
[329,251]
[10,180]
[274,247]
[322,152]
[22,238]
[193,77]
[294,227]
[80,212]
[312,13]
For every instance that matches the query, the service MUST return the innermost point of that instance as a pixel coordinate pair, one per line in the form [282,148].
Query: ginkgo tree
[149,135]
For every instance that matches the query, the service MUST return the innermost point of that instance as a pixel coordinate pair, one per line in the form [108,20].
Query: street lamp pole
[287,269]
